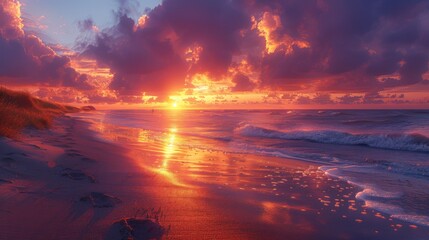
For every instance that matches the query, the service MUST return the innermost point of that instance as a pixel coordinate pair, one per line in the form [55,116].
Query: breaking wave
[405,142]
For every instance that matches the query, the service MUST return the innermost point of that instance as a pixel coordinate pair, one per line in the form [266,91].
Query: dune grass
[19,110]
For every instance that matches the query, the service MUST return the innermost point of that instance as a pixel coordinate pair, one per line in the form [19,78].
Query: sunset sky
[219,53]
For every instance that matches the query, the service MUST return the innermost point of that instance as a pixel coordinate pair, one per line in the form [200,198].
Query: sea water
[384,152]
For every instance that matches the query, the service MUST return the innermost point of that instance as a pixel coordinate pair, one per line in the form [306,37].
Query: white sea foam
[374,197]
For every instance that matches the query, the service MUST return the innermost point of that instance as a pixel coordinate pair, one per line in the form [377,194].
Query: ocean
[384,153]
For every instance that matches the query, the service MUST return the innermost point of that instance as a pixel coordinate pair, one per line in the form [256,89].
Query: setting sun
[174,105]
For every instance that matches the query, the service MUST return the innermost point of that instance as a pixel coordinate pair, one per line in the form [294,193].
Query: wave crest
[405,142]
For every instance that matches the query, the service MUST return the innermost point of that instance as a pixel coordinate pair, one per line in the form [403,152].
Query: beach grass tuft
[19,110]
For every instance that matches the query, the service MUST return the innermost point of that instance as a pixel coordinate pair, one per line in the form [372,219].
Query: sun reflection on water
[169,147]
[169,150]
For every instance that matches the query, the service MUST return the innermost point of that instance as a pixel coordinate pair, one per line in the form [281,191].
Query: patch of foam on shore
[416,219]
[373,196]
[397,212]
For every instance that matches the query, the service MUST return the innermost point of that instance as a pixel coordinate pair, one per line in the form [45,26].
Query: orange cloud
[11,25]
[267,26]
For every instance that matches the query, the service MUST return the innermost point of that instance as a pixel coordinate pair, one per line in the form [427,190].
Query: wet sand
[194,192]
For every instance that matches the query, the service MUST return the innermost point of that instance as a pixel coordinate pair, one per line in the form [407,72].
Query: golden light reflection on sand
[274,212]
[271,211]
[169,149]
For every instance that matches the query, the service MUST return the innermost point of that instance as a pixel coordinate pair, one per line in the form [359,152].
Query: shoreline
[197,194]
[49,172]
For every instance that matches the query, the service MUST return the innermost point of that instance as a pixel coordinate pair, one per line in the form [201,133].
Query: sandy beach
[69,183]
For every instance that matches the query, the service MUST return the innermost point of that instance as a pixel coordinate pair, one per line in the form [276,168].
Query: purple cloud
[25,59]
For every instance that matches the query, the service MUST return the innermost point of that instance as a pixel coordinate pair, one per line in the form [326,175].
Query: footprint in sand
[135,229]
[90,160]
[62,145]
[71,150]
[7,161]
[74,154]
[4,181]
[37,147]
[14,153]
[100,200]
[77,175]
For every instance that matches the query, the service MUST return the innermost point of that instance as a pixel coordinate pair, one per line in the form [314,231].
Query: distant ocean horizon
[384,152]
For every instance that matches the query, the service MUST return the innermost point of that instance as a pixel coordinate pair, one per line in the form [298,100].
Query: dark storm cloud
[287,71]
[150,57]
[212,24]
[140,59]
[25,59]
[366,39]
[242,83]
[327,45]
